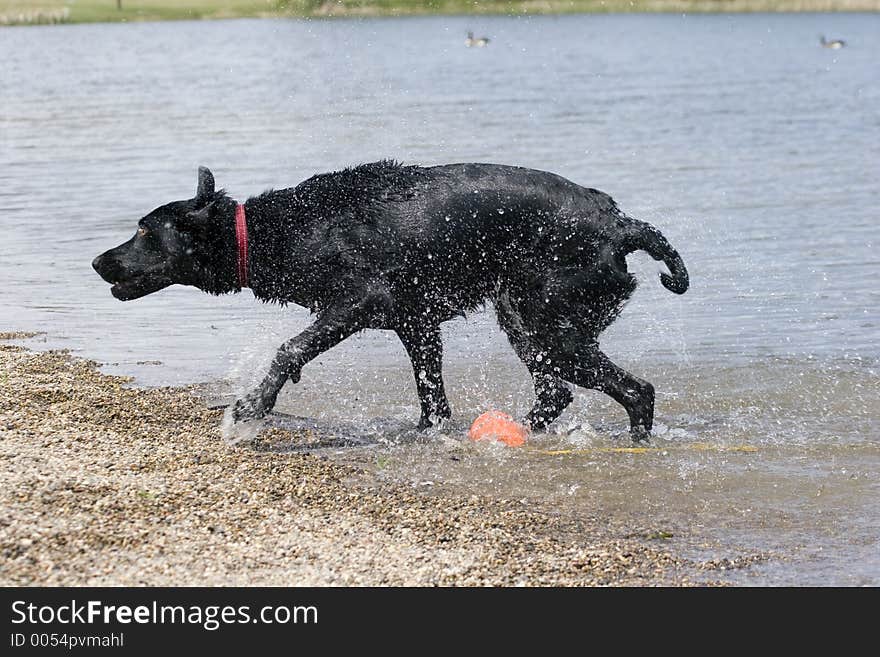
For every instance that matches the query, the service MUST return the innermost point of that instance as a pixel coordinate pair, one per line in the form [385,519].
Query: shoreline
[110,485]
[43,12]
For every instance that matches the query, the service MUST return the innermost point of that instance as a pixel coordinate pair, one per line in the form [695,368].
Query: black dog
[404,248]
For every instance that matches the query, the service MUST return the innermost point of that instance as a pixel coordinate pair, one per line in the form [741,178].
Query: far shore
[33,12]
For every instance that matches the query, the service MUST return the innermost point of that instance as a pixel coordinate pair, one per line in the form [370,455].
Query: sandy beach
[106,484]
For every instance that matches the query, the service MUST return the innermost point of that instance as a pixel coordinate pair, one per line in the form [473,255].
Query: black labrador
[405,248]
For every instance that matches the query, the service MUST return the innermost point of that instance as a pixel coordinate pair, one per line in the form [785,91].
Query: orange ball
[495,425]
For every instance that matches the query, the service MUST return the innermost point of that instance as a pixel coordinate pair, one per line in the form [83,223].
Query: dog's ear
[206,184]
[197,219]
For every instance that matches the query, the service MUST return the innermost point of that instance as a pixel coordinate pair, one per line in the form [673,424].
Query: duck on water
[834,44]
[478,42]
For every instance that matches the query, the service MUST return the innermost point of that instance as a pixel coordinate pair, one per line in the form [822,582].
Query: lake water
[756,151]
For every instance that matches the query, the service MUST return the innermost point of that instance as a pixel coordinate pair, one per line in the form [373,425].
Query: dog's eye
[142,232]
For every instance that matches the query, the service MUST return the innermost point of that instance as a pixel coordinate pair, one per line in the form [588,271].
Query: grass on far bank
[82,11]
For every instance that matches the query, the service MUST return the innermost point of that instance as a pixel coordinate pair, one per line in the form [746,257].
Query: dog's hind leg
[552,395]
[335,324]
[588,367]
[425,349]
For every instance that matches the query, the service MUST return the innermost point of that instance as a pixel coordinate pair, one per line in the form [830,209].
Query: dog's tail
[643,236]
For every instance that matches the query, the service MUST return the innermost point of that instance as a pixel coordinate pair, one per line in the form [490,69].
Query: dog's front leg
[332,327]
[425,350]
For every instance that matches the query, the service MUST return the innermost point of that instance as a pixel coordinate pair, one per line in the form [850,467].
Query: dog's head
[180,242]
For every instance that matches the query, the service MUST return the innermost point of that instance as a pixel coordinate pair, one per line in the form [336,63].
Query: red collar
[241,238]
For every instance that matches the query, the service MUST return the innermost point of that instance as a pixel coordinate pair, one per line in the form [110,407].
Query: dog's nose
[104,266]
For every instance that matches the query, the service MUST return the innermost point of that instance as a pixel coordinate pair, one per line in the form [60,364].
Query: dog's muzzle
[128,286]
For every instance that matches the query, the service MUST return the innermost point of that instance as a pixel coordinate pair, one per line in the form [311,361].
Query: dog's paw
[640,435]
[242,420]
[434,421]
[253,406]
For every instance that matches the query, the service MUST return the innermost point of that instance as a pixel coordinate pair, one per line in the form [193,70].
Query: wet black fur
[405,248]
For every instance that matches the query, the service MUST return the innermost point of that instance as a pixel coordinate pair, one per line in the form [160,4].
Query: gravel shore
[104,484]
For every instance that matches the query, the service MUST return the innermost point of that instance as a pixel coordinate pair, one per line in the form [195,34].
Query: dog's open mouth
[139,286]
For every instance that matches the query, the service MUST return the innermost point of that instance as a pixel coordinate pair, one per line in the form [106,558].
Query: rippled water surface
[755,150]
